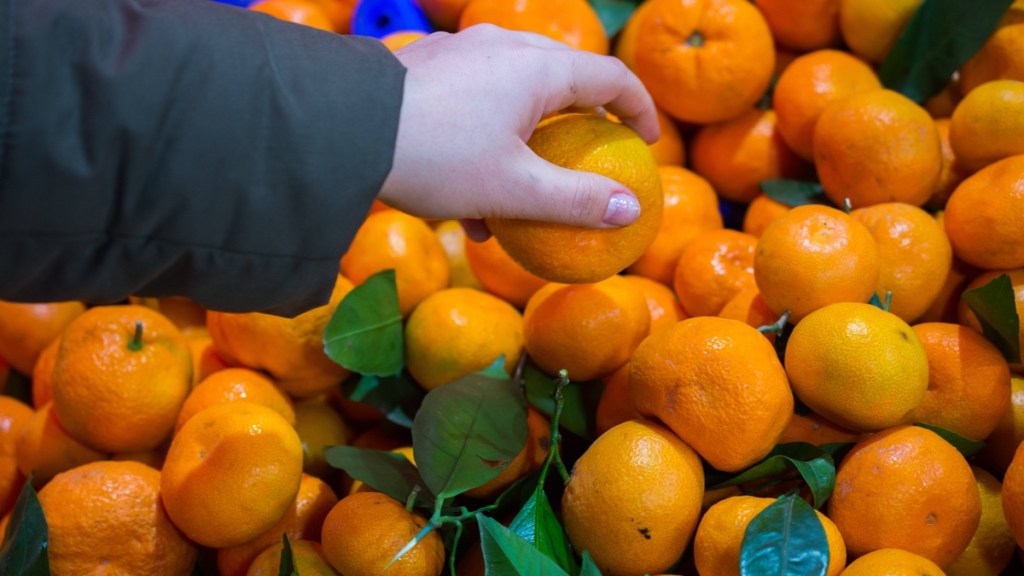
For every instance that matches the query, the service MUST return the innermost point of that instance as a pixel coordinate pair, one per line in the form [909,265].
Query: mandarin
[805,26]
[499,274]
[588,330]
[877,146]
[914,255]
[814,429]
[992,546]
[737,154]
[563,253]
[968,380]
[453,238]
[808,85]
[308,559]
[365,530]
[231,473]
[952,172]
[986,126]
[458,331]
[858,366]
[291,350]
[870,27]
[812,256]
[1001,444]
[406,243]
[703,62]
[236,385]
[633,499]
[614,406]
[984,216]
[42,374]
[26,329]
[14,414]
[662,303]
[306,12]
[718,384]
[1002,54]
[715,266]
[761,212]
[122,373]
[107,518]
[749,307]
[1013,495]
[906,487]
[690,207]
[892,562]
[573,22]
[302,521]
[719,538]
[205,359]
[320,425]
[44,448]
[528,460]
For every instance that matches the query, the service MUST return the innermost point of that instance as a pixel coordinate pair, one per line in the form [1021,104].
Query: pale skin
[471,101]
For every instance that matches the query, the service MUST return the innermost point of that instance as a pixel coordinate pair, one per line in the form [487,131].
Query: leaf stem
[777,327]
[554,455]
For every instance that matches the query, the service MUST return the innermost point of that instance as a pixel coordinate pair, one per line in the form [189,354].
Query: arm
[162,147]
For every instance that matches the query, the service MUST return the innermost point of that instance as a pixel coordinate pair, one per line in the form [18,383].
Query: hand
[471,101]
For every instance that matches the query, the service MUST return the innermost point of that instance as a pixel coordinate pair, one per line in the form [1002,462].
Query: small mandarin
[986,125]
[319,425]
[235,385]
[715,266]
[26,329]
[992,546]
[870,27]
[44,448]
[1013,495]
[892,562]
[14,414]
[985,214]
[1000,57]
[308,559]
[805,26]
[661,301]
[1008,434]
[499,274]
[761,212]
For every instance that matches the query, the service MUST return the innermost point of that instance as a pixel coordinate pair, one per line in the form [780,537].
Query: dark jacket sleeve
[184,147]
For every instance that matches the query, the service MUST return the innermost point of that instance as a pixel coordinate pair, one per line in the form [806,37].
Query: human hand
[471,101]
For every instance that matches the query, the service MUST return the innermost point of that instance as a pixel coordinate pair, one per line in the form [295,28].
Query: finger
[559,195]
[597,80]
[475,229]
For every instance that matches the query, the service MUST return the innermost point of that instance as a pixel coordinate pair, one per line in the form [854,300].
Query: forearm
[156,147]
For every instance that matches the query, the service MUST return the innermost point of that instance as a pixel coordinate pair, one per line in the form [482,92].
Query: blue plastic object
[378,18]
[239,3]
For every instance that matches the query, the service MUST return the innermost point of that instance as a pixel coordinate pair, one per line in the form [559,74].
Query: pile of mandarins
[159,433]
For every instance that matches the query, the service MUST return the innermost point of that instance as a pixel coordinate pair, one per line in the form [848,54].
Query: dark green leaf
[837,450]
[365,333]
[994,306]
[940,37]
[786,538]
[580,399]
[793,192]
[613,14]
[815,466]
[466,432]
[966,446]
[589,568]
[395,396]
[507,554]
[27,539]
[287,565]
[384,471]
[537,524]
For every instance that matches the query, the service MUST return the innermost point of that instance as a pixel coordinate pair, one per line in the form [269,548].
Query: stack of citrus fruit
[728,322]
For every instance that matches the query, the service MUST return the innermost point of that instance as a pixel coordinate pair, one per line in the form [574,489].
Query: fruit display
[806,357]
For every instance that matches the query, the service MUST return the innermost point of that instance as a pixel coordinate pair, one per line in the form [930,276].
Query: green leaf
[613,14]
[287,565]
[466,432]
[994,306]
[507,554]
[26,542]
[966,446]
[815,466]
[940,37]
[786,538]
[395,396]
[793,192]
[365,333]
[382,470]
[537,524]
[589,568]
[580,399]
[496,369]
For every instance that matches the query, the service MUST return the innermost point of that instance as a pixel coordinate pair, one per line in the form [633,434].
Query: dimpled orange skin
[718,384]
[633,499]
[235,385]
[562,253]
[968,380]
[986,126]
[808,85]
[231,473]
[808,25]
[812,256]
[588,330]
[106,518]
[714,267]
[985,216]
[26,329]
[661,301]
[704,62]
[111,397]
[291,350]
[690,207]
[892,562]
[906,487]
[573,22]
[761,212]
[877,146]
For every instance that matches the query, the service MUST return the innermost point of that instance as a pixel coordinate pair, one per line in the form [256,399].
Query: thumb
[579,198]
